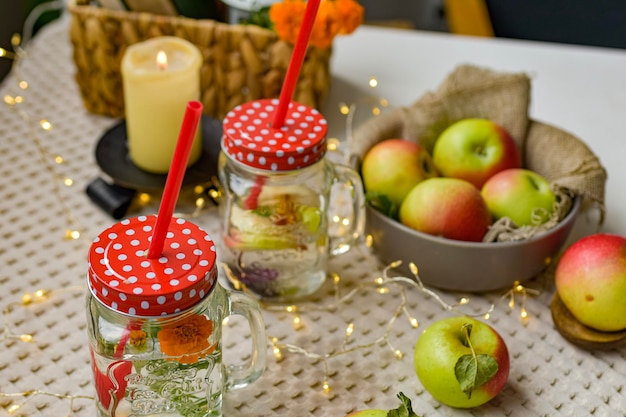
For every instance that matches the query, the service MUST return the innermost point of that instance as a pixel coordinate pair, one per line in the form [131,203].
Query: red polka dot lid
[250,139]
[123,278]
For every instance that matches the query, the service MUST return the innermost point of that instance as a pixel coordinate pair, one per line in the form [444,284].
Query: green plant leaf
[382,203]
[405,409]
[473,371]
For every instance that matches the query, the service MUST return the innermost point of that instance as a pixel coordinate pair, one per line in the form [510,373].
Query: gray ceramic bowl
[466,266]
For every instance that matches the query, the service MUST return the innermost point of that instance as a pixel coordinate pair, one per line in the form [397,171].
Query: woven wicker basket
[241,62]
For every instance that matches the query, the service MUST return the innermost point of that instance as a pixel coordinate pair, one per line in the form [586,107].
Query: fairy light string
[381,285]
[31,394]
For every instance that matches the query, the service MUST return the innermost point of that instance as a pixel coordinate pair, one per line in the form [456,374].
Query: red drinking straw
[175,177]
[293,70]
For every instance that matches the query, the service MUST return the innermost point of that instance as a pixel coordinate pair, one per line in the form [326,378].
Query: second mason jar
[281,216]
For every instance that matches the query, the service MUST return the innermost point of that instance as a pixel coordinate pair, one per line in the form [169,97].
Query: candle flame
[161,60]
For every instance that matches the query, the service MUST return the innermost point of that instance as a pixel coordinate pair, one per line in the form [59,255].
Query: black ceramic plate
[112,157]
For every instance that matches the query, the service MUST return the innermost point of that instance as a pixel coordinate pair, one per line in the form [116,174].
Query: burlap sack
[470,91]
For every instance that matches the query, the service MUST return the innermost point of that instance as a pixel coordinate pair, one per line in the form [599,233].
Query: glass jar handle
[241,375]
[353,230]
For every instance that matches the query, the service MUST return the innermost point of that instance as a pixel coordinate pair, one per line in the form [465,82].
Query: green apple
[391,168]
[461,361]
[446,207]
[405,410]
[590,279]
[520,194]
[474,150]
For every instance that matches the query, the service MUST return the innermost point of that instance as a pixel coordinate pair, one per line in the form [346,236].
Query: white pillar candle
[156,93]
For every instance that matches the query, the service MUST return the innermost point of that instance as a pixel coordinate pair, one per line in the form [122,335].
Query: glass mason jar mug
[281,196]
[155,325]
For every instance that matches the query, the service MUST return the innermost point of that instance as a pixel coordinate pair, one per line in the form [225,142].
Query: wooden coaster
[578,334]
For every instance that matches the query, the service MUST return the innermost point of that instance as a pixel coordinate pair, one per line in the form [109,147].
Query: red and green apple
[590,279]
[520,194]
[474,150]
[391,168]
[446,207]
[461,361]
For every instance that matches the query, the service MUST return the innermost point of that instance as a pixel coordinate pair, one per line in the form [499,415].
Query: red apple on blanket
[462,362]
[446,207]
[391,168]
[520,194]
[590,279]
[474,150]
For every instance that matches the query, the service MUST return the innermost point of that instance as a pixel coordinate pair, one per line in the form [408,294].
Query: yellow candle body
[155,99]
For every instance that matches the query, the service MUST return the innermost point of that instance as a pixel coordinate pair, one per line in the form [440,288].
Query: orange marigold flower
[138,339]
[188,339]
[334,17]
[350,15]
[326,25]
[287,19]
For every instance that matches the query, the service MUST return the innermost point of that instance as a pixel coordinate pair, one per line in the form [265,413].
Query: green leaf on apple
[473,370]
[382,203]
[405,409]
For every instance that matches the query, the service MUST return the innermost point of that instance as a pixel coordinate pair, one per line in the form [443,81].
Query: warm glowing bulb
[344,108]
[68,182]
[59,159]
[326,387]
[26,338]
[373,82]
[350,330]
[332,144]
[414,323]
[13,408]
[398,354]
[72,234]
[27,299]
[161,60]
[16,39]
[144,198]
[45,125]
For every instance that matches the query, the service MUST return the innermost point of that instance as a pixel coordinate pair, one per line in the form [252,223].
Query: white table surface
[578,89]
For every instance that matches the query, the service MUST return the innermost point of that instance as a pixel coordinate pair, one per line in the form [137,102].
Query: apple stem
[467,329]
